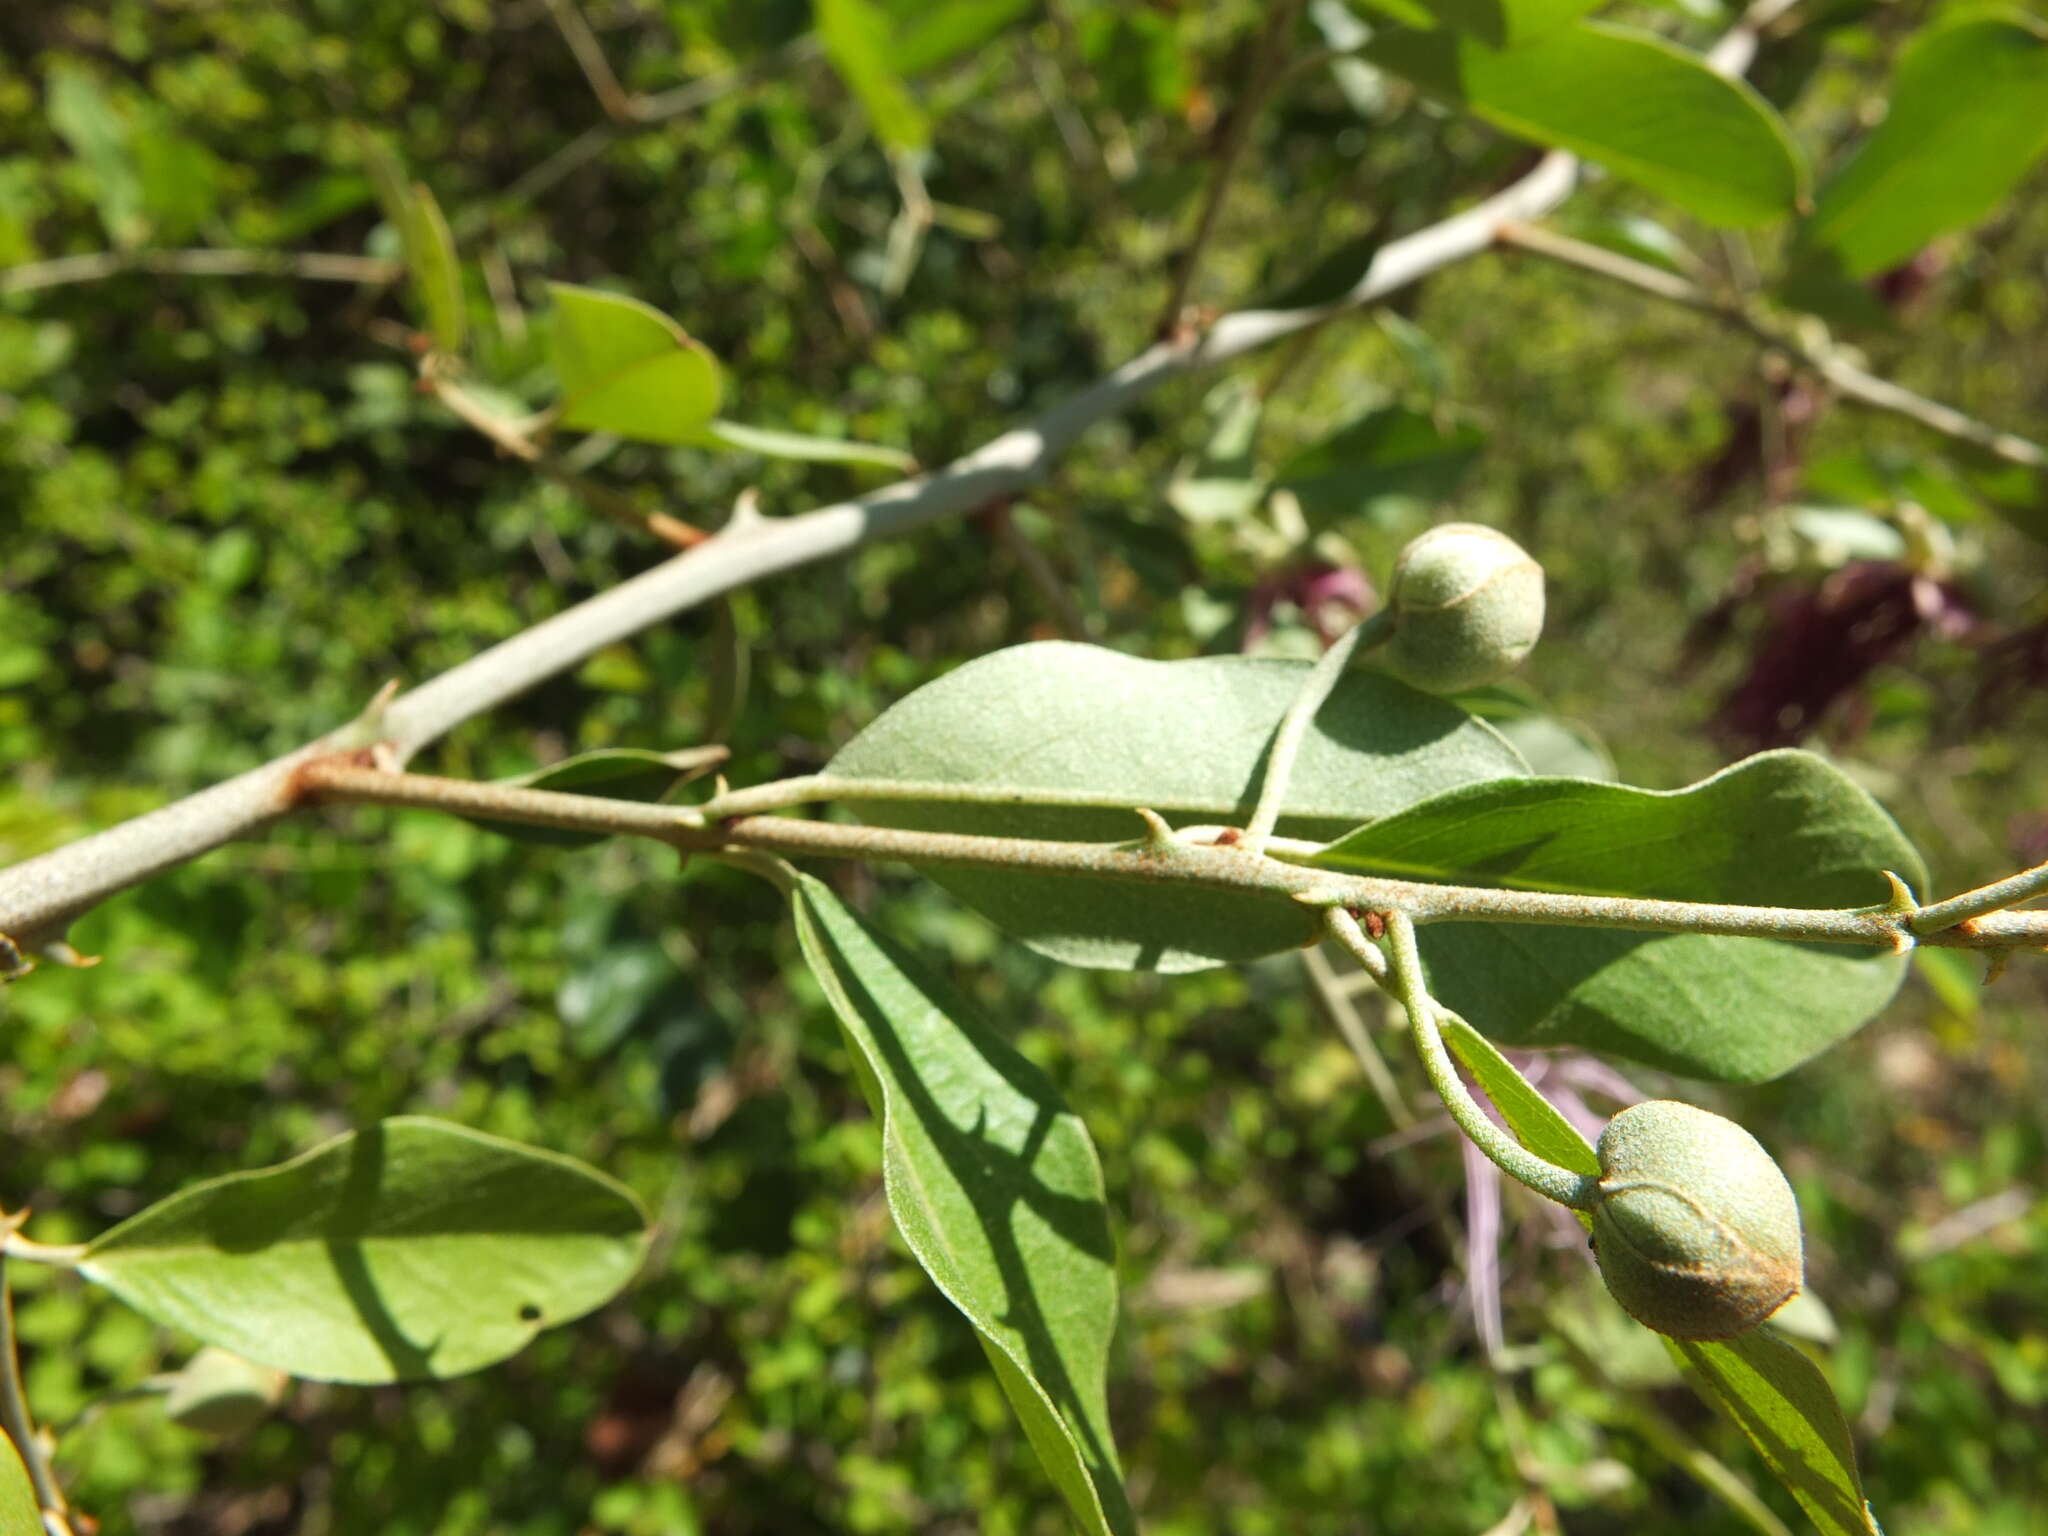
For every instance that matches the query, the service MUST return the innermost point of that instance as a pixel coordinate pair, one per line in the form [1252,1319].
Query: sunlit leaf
[1967,118]
[1389,451]
[995,1187]
[1648,111]
[1780,829]
[20,1512]
[414,1248]
[220,1393]
[858,37]
[1784,1405]
[629,370]
[773,443]
[436,273]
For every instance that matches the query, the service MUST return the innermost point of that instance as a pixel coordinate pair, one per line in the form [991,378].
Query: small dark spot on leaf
[529,1313]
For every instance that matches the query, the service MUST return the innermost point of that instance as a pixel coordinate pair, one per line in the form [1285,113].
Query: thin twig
[1336,1001]
[1997,896]
[1293,729]
[14,1414]
[612,97]
[1783,335]
[1217,865]
[1237,133]
[308,266]
[1407,986]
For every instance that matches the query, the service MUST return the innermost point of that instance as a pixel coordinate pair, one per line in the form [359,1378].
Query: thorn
[2000,959]
[1902,898]
[1159,836]
[719,787]
[746,509]
[61,952]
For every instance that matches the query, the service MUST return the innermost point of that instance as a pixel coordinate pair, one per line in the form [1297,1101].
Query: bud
[1466,606]
[1695,1229]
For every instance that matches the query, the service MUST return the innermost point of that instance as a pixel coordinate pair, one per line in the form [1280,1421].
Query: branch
[39,897]
[1779,335]
[1237,133]
[309,266]
[1170,858]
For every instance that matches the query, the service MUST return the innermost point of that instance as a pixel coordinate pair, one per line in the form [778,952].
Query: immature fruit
[1466,606]
[1695,1229]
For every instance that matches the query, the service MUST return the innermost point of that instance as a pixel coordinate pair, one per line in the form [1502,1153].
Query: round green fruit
[1465,607]
[1695,1229]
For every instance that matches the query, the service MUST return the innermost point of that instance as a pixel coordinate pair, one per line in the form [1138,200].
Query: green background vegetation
[227,516]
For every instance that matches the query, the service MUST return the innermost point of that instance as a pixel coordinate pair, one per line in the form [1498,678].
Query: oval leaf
[1968,116]
[995,1187]
[1065,742]
[1646,110]
[1780,829]
[1780,1400]
[412,1249]
[436,274]
[629,370]
[858,38]
[220,1393]
[771,442]
[21,1513]
[1537,1123]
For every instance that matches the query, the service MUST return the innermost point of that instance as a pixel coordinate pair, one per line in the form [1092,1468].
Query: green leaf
[1537,1123]
[859,39]
[1554,748]
[1648,111]
[1390,451]
[1334,275]
[616,773]
[220,1393]
[436,274]
[411,1249]
[934,32]
[1781,1401]
[1779,829]
[1500,23]
[20,1512]
[1221,483]
[1066,741]
[86,118]
[775,444]
[1968,117]
[629,370]
[995,1187]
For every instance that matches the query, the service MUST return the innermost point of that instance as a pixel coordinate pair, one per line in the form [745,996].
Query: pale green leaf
[1389,451]
[1066,742]
[1780,829]
[220,1393]
[771,442]
[436,273]
[1537,1123]
[1502,23]
[1968,117]
[859,40]
[936,32]
[995,1187]
[629,370]
[1648,111]
[20,1513]
[87,119]
[1784,1405]
[414,1248]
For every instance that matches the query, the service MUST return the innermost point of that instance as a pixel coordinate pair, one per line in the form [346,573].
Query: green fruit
[1695,1228]
[1465,606]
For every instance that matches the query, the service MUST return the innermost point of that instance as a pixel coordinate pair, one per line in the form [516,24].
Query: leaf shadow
[999,1182]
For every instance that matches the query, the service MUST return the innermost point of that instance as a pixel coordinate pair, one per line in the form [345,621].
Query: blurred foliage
[228,516]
